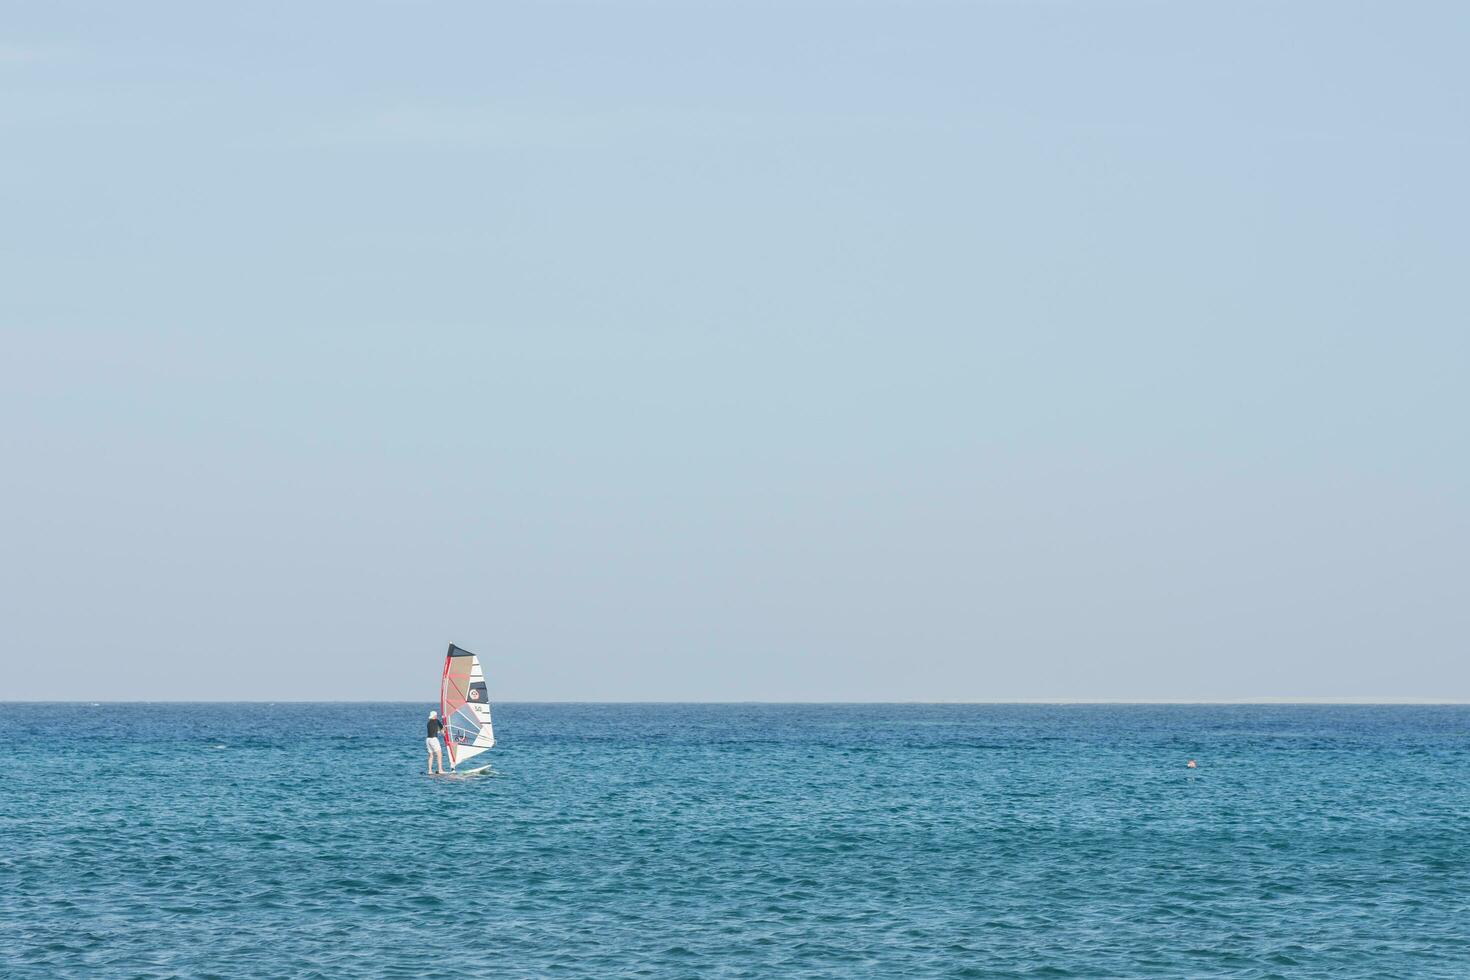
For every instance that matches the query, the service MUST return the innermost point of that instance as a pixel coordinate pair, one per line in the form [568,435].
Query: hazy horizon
[732,352]
[1035,702]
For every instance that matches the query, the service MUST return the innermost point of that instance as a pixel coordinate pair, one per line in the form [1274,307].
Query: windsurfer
[432,743]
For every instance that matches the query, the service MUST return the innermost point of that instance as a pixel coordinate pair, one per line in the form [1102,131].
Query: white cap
[433,714]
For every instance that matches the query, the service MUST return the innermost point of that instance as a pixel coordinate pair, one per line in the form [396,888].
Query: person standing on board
[432,743]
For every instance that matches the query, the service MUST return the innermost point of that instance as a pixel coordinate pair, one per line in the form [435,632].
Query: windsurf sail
[464,705]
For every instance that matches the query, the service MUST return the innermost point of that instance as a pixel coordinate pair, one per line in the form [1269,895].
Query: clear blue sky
[735,350]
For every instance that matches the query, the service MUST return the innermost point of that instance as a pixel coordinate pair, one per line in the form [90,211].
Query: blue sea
[669,840]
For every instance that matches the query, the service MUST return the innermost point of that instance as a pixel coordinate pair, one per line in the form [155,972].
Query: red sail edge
[444,709]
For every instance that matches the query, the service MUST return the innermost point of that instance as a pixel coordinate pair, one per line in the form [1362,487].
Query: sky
[751,350]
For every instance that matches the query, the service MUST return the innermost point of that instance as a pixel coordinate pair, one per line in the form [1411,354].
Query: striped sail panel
[465,703]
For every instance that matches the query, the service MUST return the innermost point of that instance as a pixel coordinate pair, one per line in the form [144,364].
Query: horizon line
[1279,701]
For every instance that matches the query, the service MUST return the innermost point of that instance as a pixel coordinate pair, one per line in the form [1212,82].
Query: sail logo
[474,695]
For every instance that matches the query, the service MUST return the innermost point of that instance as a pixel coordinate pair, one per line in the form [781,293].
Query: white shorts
[432,744]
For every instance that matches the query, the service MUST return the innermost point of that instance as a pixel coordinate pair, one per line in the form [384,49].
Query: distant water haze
[735,351]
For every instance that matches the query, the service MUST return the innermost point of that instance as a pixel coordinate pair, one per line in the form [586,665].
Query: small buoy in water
[1191,764]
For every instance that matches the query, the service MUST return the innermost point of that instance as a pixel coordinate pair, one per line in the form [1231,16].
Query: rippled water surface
[737,840]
